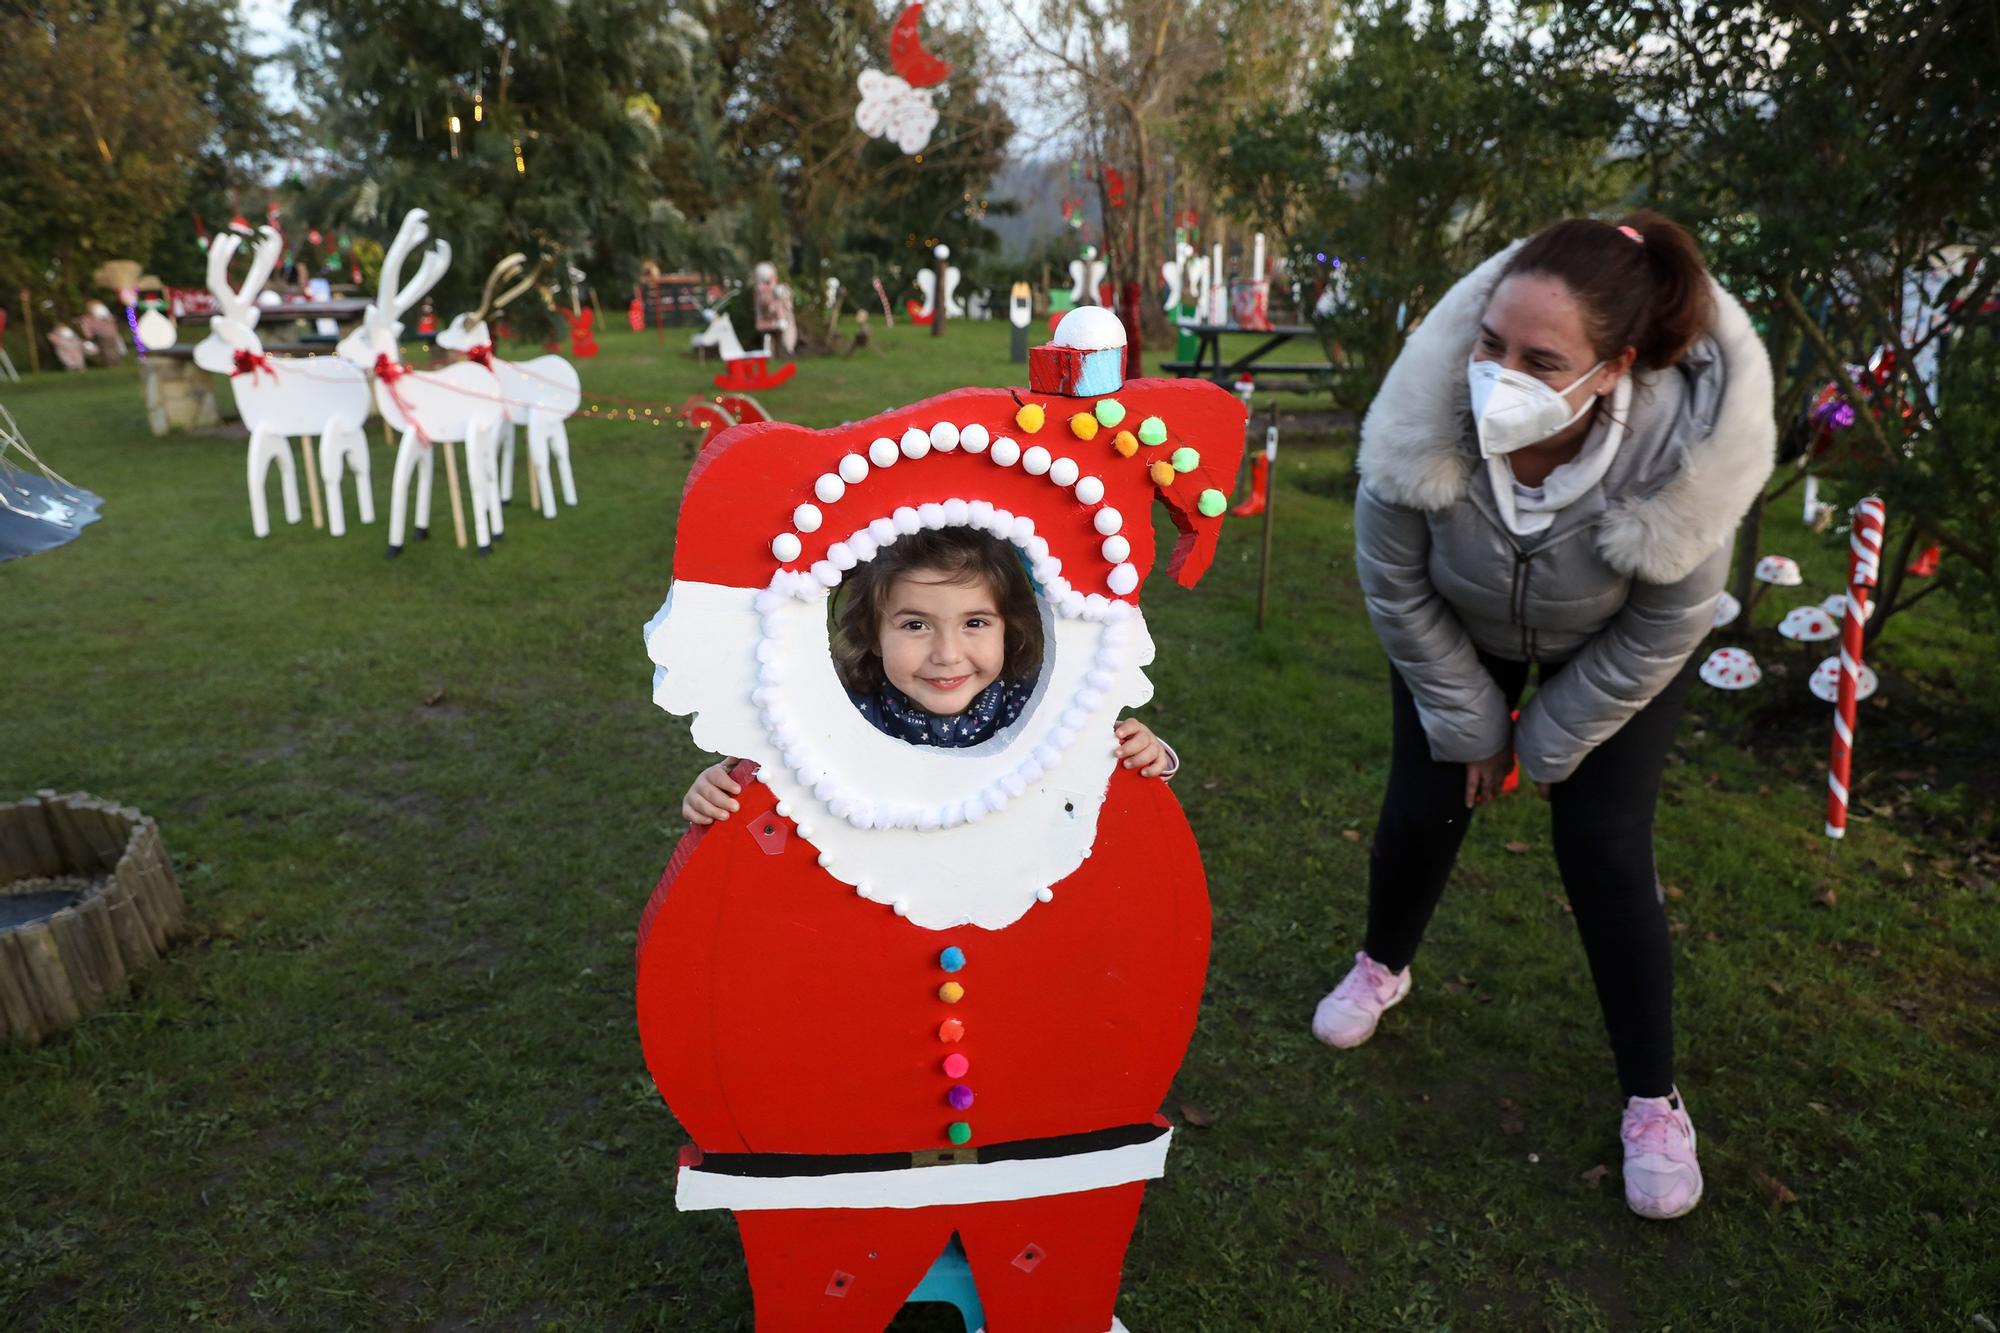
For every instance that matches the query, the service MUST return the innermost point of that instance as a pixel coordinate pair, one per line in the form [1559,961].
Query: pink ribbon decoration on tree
[1864,566]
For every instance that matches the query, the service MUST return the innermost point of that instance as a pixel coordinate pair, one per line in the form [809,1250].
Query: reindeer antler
[414,231]
[436,260]
[508,297]
[220,251]
[500,273]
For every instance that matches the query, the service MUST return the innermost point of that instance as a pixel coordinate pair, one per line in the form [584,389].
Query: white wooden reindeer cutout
[460,402]
[540,393]
[1086,275]
[279,397]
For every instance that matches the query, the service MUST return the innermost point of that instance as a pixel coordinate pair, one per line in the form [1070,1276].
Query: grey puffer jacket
[1622,586]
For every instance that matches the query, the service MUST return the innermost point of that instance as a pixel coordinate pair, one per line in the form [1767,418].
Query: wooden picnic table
[1208,362]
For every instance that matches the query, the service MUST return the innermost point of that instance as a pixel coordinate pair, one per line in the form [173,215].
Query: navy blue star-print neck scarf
[890,711]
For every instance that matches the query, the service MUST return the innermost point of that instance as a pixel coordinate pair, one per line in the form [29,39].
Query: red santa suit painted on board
[912,992]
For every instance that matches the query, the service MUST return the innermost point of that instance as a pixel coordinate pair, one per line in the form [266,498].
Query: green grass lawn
[392,1078]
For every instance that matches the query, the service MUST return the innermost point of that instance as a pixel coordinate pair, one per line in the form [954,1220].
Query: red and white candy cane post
[1864,565]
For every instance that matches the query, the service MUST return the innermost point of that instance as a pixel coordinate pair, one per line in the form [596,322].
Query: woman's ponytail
[1641,282]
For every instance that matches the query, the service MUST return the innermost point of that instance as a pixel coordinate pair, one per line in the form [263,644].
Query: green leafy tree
[819,196]
[565,110]
[98,153]
[1437,136]
[1843,165]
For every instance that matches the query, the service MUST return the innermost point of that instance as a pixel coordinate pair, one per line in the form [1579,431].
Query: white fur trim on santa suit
[944,837]
[928,1186]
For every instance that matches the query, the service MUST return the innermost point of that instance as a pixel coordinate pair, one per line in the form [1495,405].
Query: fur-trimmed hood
[1680,493]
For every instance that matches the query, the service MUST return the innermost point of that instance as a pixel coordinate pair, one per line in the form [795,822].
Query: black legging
[1603,829]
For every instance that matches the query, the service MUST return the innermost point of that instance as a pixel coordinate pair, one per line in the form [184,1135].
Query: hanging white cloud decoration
[891,109]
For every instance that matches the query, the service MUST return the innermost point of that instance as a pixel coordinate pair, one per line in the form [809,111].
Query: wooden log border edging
[57,970]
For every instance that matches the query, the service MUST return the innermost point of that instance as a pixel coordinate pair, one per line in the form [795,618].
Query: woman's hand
[1483,778]
[1140,749]
[712,797]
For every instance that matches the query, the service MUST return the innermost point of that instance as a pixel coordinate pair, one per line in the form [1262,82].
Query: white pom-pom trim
[1005,452]
[829,487]
[915,443]
[883,452]
[1115,549]
[1090,490]
[806,518]
[974,439]
[786,546]
[1036,461]
[1108,520]
[854,469]
[1063,472]
[944,437]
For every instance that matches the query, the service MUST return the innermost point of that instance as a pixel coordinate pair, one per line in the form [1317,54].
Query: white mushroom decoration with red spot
[1727,608]
[1731,669]
[1781,570]
[1836,606]
[1809,624]
[1825,682]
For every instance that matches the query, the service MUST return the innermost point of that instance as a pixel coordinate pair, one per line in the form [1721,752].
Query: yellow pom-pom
[951,992]
[1162,474]
[1030,417]
[1126,443]
[1084,426]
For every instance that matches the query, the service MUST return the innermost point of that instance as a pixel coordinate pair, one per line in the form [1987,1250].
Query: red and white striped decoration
[1864,566]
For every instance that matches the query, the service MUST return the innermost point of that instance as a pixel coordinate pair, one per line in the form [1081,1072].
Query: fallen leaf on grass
[1596,1174]
[1777,987]
[1776,1190]
[1818,1106]
[1907,1008]
[1563,903]
[1673,892]
[1198,1116]
[1826,896]
[434,698]
[1457,985]
[1519,847]
[1351,834]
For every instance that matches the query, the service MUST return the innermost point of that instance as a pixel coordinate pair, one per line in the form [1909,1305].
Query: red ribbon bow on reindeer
[252,364]
[387,372]
[483,354]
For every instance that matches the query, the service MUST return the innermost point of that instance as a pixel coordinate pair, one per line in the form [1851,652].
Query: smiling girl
[938,641]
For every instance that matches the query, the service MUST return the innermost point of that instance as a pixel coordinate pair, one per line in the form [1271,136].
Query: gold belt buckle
[944,1157]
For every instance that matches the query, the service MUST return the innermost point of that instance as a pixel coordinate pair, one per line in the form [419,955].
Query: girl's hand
[712,797]
[1483,779]
[1139,749]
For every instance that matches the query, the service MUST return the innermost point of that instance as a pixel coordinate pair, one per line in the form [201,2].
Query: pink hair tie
[1633,232]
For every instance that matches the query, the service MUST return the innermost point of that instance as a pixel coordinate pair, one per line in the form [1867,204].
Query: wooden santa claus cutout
[911,998]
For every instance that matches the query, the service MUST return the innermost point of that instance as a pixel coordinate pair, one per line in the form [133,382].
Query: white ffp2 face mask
[1513,411]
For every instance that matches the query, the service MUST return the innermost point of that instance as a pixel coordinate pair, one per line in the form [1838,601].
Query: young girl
[938,641]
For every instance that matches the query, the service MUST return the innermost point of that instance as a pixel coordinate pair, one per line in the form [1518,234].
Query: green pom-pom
[1185,460]
[1109,411]
[959,1131]
[1152,431]
[1212,503]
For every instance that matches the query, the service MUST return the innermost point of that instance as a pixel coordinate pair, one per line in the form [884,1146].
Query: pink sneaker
[1348,1016]
[1662,1177]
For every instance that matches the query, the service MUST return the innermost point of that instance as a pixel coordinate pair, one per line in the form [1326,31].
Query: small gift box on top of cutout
[909,999]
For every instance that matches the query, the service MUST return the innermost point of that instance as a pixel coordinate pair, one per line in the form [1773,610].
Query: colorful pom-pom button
[1162,473]
[952,959]
[960,1097]
[951,992]
[1126,443]
[955,1065]
[1212,503]
[1030,417]
[1084,426]
[1152,431]
[951,1030]
[959,1132]
[1109,411]
[1185,459]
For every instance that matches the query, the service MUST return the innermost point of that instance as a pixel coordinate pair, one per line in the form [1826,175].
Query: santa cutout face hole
[923,990]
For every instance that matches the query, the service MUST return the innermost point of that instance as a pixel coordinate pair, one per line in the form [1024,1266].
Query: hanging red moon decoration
[917,67]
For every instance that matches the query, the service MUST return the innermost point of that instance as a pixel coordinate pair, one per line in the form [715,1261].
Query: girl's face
[942,642]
